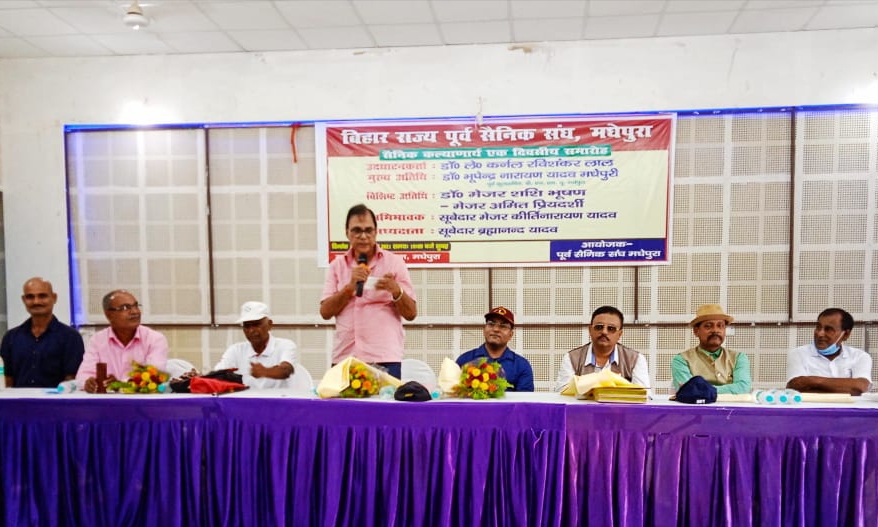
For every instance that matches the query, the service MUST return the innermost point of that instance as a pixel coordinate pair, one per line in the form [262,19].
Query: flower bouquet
[354,378]
[481,379]
[141,379]
[363,382]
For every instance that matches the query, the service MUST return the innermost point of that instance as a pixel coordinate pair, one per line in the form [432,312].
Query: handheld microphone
[361,259]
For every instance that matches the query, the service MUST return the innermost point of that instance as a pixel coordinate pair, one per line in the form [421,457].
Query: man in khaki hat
[728,370]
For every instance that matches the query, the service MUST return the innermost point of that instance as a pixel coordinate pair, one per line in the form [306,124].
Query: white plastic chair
[420,371]
[177,367]
[300,381]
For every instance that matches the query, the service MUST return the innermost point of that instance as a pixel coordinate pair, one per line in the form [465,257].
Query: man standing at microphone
[368,290]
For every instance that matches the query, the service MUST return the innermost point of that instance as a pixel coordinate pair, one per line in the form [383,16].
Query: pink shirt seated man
[121,343]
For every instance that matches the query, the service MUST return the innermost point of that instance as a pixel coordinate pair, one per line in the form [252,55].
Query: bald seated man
[41,352]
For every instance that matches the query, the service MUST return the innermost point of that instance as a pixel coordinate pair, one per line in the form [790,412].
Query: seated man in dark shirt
[41,352]
[499,328]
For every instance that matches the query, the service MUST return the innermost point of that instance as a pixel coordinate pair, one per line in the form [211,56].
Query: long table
[531,459]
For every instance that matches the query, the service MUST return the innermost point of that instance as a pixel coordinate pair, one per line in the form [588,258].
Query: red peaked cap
[501,312]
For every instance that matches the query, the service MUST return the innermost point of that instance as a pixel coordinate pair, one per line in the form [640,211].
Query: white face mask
[831,349]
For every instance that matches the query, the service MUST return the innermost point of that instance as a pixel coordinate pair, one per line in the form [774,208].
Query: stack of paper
[605,386]
[617,394]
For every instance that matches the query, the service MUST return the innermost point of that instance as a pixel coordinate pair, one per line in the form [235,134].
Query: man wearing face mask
[826,364]
[728,370]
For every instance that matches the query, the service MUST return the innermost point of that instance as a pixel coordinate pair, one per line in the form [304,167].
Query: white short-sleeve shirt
[851,363]
[240,355]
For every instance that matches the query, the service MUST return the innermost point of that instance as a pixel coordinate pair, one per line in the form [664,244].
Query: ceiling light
[134,17]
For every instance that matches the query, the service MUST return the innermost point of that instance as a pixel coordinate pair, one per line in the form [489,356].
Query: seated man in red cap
[728,370]
[499,329]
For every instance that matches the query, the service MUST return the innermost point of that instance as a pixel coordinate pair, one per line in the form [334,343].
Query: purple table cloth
[712,465]
[215,461]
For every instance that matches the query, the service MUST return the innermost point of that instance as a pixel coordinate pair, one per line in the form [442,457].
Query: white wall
[39,96]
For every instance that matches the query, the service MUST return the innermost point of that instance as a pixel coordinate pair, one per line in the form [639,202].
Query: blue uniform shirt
[517,368]
[41,361]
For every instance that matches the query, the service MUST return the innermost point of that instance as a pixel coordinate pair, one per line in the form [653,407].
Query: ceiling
[86,28]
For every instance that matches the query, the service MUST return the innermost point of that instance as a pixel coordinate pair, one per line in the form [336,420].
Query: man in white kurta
[263,360]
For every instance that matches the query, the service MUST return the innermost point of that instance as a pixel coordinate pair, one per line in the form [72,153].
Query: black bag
[182,385]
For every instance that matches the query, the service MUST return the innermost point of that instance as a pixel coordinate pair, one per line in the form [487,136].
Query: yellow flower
[476,384]
[145,376]
[152,386]
[489,368]
[485,377]
[355,384]
[474,372]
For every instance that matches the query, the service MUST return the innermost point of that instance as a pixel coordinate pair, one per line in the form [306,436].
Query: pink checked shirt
[369,327]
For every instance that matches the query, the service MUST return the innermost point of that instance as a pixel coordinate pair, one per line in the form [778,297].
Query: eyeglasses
[357,232]
[600,327]
[126,307]
[495,324]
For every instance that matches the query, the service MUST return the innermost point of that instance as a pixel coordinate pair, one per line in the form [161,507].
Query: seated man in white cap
[263,360]
[728,370]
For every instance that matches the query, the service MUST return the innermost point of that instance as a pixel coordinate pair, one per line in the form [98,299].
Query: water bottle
[2,375]
[793,396]
[767,397]
[386,393]
[67,387]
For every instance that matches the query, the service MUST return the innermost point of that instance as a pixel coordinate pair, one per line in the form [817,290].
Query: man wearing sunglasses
[604,351]
[124,341]
[499,329]
[728,370]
